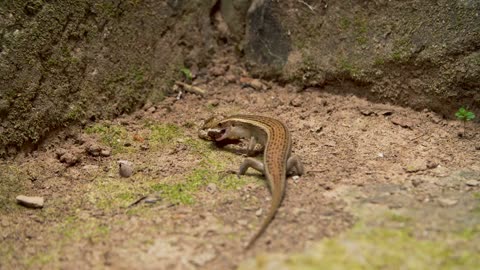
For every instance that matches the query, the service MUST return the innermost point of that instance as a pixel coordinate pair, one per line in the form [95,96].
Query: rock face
[422,54]
[62,62]
[66,61]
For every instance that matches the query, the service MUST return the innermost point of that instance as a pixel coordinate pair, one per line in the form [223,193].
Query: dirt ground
[399,180]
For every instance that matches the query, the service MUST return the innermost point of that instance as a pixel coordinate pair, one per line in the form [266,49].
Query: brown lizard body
[276,139]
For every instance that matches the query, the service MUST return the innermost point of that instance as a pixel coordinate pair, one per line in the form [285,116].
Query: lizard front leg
[251,147]
[294,162]
[251,163]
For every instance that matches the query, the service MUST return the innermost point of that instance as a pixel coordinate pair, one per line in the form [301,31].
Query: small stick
[306,4]
[191,88]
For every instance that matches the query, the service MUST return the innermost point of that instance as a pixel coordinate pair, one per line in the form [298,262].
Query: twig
[137,201]
[417,137]
[191,88]
[306,4]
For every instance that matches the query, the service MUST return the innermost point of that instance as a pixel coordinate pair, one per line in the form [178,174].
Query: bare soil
[357,154]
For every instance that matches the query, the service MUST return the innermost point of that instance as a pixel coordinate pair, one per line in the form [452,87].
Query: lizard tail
[276,201]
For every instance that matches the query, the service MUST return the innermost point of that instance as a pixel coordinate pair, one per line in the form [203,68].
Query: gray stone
[447,202]
[125,168]
[472,183]
[30,202]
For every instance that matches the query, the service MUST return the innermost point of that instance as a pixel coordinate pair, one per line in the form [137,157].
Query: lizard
[275,138]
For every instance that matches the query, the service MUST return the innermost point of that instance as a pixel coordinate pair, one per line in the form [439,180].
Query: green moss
[348,67]
[162,134]
[379,61]
[184,192]
[41,259]
[344,23]
[112,193]
[399,218]
[364,248]
[11,185]
[75,113]
[470,233]
[112,135]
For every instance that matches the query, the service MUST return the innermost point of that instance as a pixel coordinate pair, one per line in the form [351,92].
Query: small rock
[90,168]
[330,143]
[257,84]
[242,222]
[472,183]
[153,198]
[211,188]
[213,103]
[230,78]
[447,202]
[147,105]
[125,168]
[105,153]
[416,166]
[151,109]
[203,258]
[417,182]
[254,83]
[30,202]
[218,70]
[296,179]
[144,147]
[5,223]
[69,159]
[93,149]
[402,121]
[60,152]
[296,102]
[259,212]
[432,164]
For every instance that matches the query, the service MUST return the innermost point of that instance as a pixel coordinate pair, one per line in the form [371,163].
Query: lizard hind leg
[294,162]
[251,163]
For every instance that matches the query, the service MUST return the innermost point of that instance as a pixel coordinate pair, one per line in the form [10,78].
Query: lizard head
[218,129]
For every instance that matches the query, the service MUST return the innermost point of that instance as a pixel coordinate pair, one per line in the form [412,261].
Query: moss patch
[111,135]
[161,134]
[11,185]
[377,248]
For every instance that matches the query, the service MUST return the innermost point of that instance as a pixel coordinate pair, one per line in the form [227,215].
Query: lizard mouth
[217,134]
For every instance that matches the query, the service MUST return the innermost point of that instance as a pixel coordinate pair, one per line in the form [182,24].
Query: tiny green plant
[187,73]
[464,115]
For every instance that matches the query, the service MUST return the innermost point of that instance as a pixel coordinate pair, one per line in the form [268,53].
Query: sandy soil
[357,155]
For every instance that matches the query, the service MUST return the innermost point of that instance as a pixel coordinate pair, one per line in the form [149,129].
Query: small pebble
[152,199]
[211,188]
[30,202]
[105,153]
[447,202]
[417,182]
[230,78]
[259,212]
[125,168]
[151,109]
[472,183]
[93,149]
[69,159]
[296,102]
[242,222]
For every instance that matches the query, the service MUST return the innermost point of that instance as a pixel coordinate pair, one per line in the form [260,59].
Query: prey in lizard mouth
[220,137]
